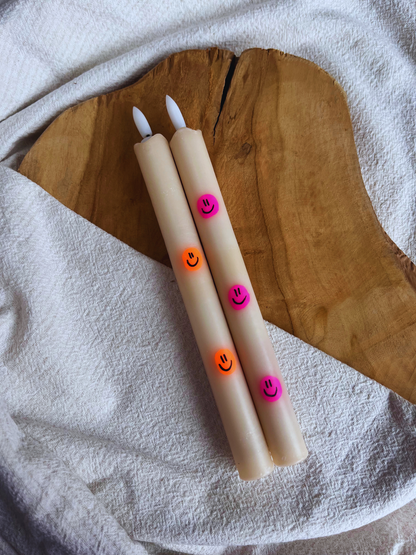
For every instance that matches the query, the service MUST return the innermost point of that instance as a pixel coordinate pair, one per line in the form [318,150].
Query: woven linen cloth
[110,440]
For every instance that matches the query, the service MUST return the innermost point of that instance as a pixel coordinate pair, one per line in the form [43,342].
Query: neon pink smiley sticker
[270,389]
[207,206]
[239,297]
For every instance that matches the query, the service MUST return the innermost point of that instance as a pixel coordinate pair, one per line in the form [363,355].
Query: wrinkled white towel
[92,458]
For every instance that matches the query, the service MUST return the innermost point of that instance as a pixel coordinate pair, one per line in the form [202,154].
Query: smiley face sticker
[239,297]
[270,389]
[207,206]
[192,259]
[225,361]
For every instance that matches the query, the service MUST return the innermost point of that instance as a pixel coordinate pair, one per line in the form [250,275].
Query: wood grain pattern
[281,141]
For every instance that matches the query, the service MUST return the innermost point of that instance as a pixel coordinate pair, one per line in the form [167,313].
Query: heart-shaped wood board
[280,137]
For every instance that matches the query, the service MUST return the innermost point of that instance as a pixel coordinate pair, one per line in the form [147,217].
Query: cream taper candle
[238,414]
[277,417]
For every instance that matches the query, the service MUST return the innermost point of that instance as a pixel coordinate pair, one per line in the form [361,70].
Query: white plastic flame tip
[175,114]
[141,123]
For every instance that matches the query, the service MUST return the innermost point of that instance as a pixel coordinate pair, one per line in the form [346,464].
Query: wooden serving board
[280,137]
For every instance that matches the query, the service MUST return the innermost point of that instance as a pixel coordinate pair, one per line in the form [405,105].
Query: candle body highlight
[277,417]
[231,393]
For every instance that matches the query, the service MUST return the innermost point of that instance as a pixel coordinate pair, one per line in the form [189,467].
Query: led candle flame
[142,124]
[236,408]
[175,114]
[277,417]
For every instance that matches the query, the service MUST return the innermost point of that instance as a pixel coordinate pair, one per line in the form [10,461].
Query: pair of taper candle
[251,340]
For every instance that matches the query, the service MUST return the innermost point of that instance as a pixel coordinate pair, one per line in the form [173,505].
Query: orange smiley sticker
[192,259]
[225,361]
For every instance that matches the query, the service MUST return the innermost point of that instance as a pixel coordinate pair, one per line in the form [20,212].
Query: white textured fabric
[110,442]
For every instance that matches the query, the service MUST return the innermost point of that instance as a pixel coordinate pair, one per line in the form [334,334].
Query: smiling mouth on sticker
[274,394]
[206,204]
[191,256]
[192,259]
[224,361]
[237,294]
